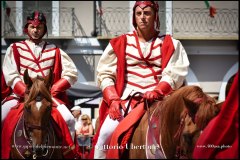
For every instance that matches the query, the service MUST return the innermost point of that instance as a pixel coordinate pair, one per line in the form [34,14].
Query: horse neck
[169,115]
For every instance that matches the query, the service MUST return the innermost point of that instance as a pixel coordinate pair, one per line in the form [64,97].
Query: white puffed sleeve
[106,69]
[177,67]
[69,70]
[9,68]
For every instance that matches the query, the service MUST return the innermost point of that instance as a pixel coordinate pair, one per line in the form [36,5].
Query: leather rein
[30,127]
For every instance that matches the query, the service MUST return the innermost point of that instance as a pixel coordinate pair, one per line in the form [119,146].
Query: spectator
[85,132]
[76,112]
[86,127]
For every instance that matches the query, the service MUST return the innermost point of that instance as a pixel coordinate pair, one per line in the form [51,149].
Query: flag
[212,10]
[6,8]
[4,4]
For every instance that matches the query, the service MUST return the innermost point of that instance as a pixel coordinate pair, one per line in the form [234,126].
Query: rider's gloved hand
[153,95]
[60,86]
[162,89]
[114,110]
[111,97]
[19,89]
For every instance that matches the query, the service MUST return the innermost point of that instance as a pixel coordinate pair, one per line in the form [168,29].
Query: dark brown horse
[182,116]
[34,136]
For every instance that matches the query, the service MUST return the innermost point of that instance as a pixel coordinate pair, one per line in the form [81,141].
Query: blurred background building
[84,28]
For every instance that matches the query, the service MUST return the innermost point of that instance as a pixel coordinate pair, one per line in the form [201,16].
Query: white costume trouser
[64,111]
[68,117]
[6,107]
[105,134]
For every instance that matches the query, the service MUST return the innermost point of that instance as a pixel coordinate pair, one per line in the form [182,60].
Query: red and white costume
[38,59]
[142,77]
[144,69]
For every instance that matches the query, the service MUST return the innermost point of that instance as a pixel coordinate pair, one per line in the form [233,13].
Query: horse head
[37,110]
[200,111]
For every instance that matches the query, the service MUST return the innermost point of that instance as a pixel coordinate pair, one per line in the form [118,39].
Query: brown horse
[182,116]
[34,136]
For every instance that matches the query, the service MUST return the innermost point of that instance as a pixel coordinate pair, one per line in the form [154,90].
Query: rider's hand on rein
[152,96]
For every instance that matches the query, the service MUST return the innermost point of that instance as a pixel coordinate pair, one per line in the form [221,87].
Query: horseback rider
[142,61]
[39,57]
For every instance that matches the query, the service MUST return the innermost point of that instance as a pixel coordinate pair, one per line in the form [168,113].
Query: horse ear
[48,80]
[27,79]
[191,106]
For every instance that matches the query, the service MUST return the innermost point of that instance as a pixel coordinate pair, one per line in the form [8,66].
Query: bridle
[28,127]
[27,135]
[179,154]
[178,135]
[32,126]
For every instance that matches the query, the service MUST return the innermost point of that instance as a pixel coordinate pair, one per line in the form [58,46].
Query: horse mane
[206,111]
[38,87]
[172,108]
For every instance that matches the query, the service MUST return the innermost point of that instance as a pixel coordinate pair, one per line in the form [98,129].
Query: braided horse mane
[188,102]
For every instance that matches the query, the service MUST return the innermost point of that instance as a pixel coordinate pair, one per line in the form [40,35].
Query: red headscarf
[36,18]
[144,4]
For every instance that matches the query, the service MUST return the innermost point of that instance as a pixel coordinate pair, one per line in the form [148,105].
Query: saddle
[154,148]
[22,142]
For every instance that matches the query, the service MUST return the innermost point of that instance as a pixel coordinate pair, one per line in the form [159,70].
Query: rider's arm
[106,69]
[106,77]
[69,75]
[177,67]
[69,70]
[11,73]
